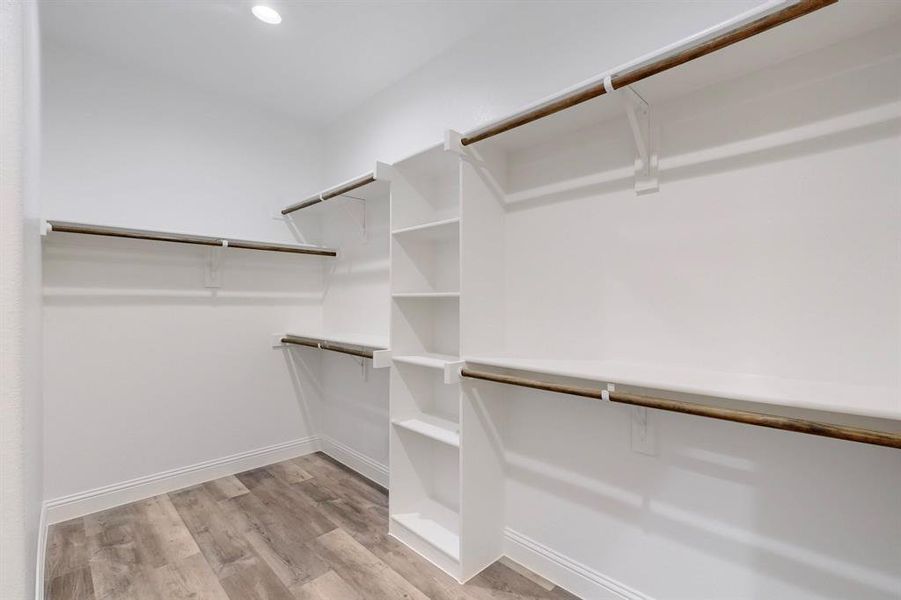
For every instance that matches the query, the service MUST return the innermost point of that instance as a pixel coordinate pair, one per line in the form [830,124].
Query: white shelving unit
[425,331]
[544,250]
[728,282]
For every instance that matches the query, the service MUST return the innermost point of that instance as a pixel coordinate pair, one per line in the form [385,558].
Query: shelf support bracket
[212,274]
[642,123]
[453,142]
[381,359]
[356,210]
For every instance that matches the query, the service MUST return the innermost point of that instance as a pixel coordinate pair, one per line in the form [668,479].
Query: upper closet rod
[853,434]
[184,238]
[336,191]
[327,345]
[666,59]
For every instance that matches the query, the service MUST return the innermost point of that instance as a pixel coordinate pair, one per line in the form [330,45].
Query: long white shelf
[435,524]
[425,295]
[431,360]
[436,428]
[870,401]
[433,231]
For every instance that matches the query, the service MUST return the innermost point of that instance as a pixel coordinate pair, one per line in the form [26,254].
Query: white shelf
[435,524]
[425,295]
[434,231]
[881,402]
[441,430]
[431,360]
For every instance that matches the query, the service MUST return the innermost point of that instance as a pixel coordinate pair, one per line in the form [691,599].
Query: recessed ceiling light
[266,14]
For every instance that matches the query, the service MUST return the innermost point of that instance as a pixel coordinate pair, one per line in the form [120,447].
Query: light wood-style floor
[304,529]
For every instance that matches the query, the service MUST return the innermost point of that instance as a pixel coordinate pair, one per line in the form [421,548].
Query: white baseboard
[362,464]
[43,529]
[117,494]
[565,572]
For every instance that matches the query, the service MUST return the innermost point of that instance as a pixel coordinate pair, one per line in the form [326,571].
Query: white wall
[536,50]
[723,510]
[21,476]
[357,301]
[145,369]
[125,147]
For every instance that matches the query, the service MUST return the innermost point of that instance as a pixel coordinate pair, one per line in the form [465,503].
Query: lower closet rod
[324,345]
[853,434]
[184,238]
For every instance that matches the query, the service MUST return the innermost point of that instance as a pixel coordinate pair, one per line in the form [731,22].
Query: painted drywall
[789,292]
[537,50]
[356,301]
[146,370]
[129,148]
[722,510]
[21,477]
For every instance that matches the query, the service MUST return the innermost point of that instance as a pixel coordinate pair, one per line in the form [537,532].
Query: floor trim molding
[41,558]
[565,572]
[117,494]
[359,462]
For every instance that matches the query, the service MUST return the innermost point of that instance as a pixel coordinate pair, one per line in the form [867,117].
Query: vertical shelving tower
[425,333]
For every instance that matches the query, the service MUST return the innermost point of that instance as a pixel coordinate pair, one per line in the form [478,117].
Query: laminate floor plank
[304,529]
[256,582]
[343,482]
[66,548]
[172,542]
[73,585]
[226,488]
[281,546]
[328,586]
[429,579]
[120,560]
[219,540]
[191,578]
[500,582]
[289,472]
[362,570]
[292,508]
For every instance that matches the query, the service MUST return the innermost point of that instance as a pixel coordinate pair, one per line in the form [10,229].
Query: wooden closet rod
[327,345]
[853,434]
[643,71]
[336,191]
[184,238]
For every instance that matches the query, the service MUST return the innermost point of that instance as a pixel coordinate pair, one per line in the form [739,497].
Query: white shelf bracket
[644,436]
[291,224]
[452,371]
[212,273]
[46,228]
[356,210]
[453,142]
[642,123]
[381,359]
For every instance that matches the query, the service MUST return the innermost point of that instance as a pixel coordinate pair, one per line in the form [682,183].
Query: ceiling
[322,60]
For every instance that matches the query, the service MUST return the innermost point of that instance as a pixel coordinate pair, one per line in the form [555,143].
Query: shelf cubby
[417,391]
[426,264]
[426,190]
[425,496]
[425,332]
[426,327]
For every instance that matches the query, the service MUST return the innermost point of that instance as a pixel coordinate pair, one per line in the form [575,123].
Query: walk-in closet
[450,300]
